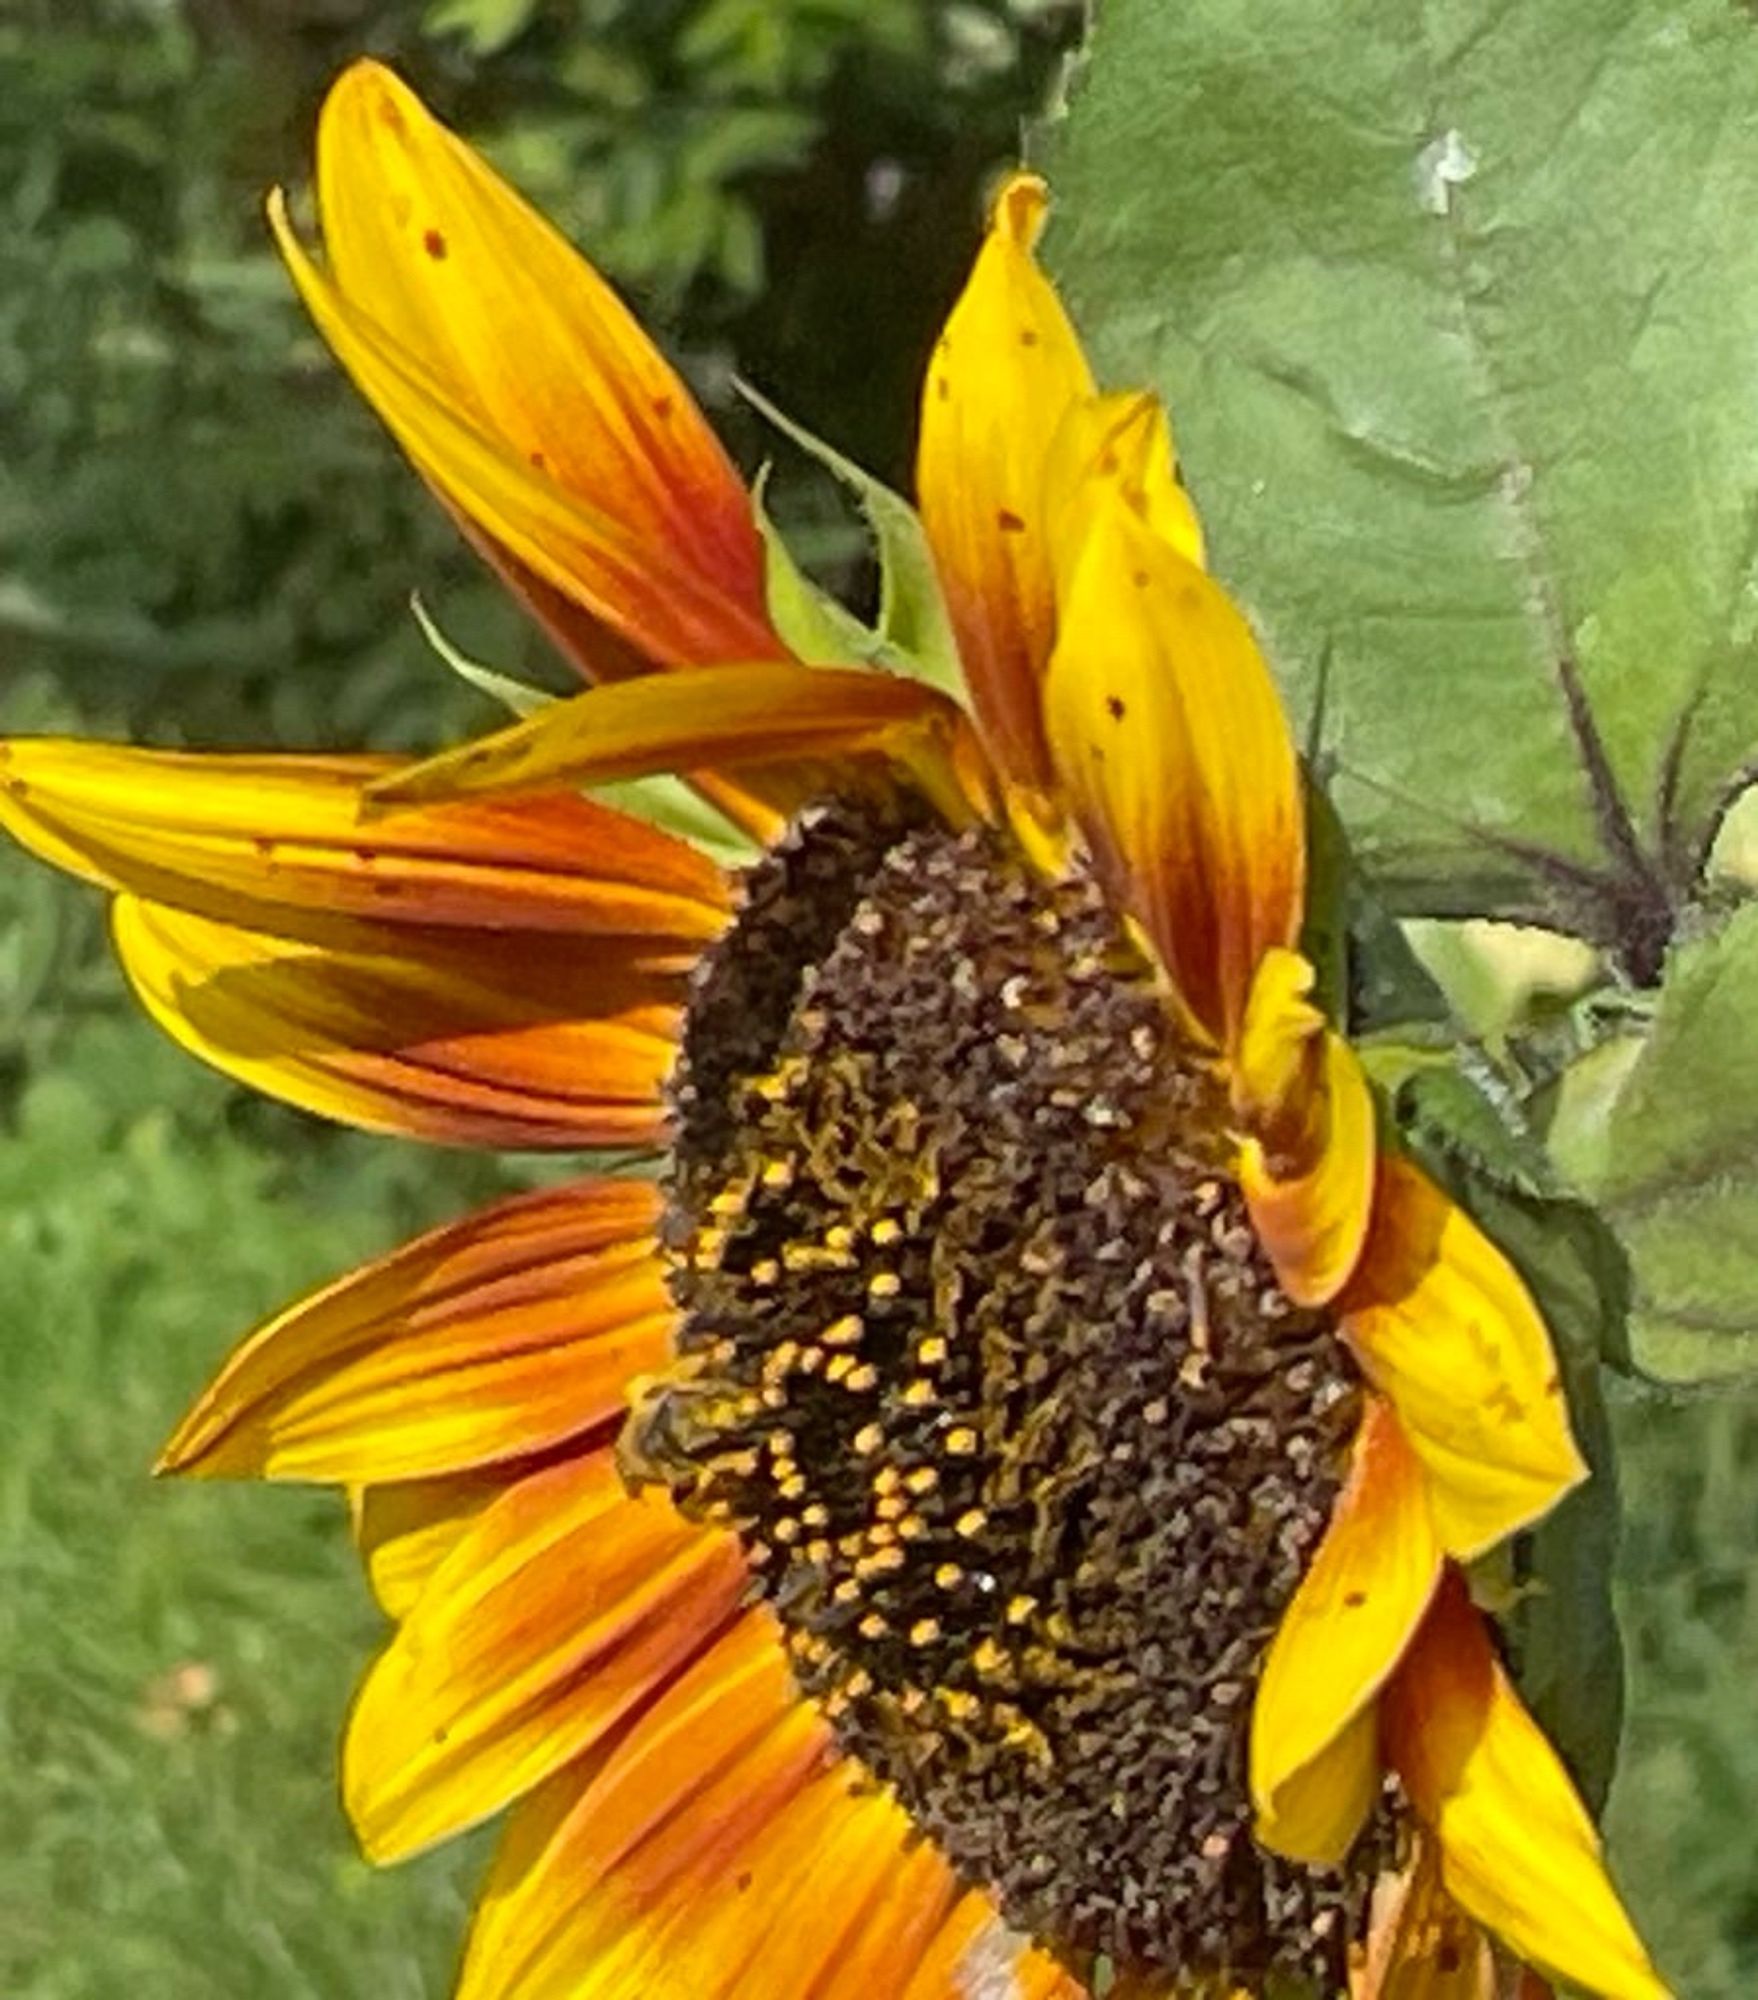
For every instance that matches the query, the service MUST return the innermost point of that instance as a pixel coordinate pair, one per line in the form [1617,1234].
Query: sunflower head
[994,1517]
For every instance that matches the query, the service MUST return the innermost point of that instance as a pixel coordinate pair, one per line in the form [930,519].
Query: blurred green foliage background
[204,538]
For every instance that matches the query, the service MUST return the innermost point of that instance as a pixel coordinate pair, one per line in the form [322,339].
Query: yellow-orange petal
[655,1821]
[276,843]
[432,1039]
[1444,1327]
[562,1607]
[481,1341]
[1007,369]
[1421,1945]
[404,1531]
[1518,1850]
[753,713]
[1125,439]
[1169,741]
[1315,1768]
[437,261]
[1306,1162]
[976,1953]
[646,592]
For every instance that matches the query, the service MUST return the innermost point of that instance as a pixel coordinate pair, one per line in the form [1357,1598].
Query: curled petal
[482,1341]
[1446,1330]
[521,386]
[1307,1161]
[276,843]
[1007,368]
[1315,1768]
[431,1040]
[1518,1850]
[1169,739]
[556,1614]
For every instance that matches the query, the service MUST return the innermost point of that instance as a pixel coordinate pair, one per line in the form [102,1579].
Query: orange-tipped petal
[404,1532]
[519,383]
[1307,1161]
[1518,1850]
[1315,1768]
[1444,1327]
[476,1042]
[555,1615]
[611,1850]
[747,714]
[481,1341]
[276,843]
[1169,740]
[1007,369]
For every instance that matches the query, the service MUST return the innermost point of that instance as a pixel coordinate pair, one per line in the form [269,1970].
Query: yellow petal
[276,843]
[1314,1772]
[1444,1327]
[405,1531]
[1124,439]
[1007,368]
[556,1614]
[726,716]
[1518,1849]
[433,1040]
[1307,1162]
[1169,740]
[446,288]
[483,1340]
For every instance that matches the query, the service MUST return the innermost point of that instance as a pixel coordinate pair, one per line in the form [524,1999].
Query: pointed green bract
[1456,309]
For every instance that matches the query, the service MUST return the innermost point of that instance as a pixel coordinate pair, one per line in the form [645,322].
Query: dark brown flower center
[983,1363]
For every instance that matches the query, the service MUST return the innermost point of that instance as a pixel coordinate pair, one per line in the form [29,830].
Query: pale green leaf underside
[1456,306]
[1669,1150]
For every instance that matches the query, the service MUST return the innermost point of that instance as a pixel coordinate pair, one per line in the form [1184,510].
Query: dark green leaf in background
[1456,306]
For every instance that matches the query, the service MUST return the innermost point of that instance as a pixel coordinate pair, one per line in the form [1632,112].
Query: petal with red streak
[484,1340]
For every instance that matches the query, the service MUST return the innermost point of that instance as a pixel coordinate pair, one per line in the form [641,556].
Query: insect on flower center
[982,1362]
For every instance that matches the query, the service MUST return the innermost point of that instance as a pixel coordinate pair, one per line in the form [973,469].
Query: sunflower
[990,1519]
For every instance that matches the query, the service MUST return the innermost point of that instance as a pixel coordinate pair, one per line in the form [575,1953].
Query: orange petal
[1518,1850]
[520,385]
[1445,1328]
[745,714]
[612,1850]
[555,1615]
[275,843]
[1169,740]
[443,1040]
[1006,370]
[480,1341]
[1358,1606]
[405,1531]
[976,1954]
[1306,1164]
[1420,1944]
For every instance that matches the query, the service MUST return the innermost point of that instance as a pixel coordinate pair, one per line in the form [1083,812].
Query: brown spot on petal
[1009,522]
[434,244]
[1115,706]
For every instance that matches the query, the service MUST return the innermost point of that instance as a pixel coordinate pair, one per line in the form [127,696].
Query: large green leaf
[1662,1132]
[1456,306]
